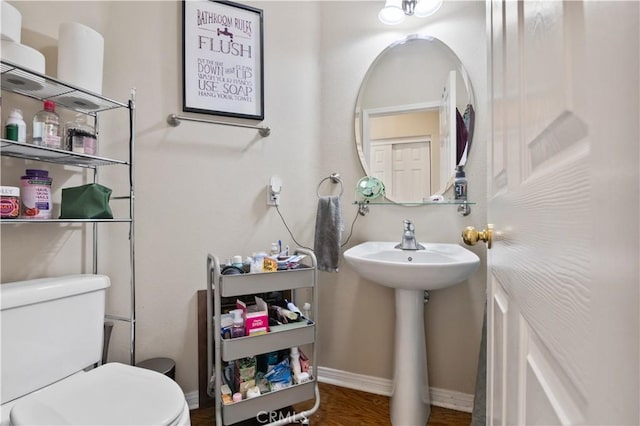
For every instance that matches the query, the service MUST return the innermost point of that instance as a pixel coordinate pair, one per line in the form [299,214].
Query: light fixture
[395,11]
[392,13]
[426,8]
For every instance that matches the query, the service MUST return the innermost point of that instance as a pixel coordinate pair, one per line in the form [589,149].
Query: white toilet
[51,333]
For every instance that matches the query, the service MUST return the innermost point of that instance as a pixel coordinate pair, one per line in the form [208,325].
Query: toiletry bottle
[11,132]
[274,252]
[46,127]
[295,363]
[246,264]
[15,121]
[307,310]
[460,184]
[238,327]
[80,136]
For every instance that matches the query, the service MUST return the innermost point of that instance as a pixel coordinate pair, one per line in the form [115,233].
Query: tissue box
[256,317]
[256,323]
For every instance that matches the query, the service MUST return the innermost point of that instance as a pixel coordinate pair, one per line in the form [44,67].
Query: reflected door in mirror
[401,149]
[448,134]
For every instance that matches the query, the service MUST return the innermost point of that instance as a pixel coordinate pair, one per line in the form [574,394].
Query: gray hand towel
[328,233]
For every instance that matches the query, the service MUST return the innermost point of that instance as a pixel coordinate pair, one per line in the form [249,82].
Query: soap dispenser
[460,184]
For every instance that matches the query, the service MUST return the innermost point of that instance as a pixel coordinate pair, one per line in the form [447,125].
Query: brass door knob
[471,235]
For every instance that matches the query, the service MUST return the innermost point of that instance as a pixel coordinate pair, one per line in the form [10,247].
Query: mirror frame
[359,117]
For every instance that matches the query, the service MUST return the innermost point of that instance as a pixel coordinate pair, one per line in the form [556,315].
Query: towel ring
[335,178]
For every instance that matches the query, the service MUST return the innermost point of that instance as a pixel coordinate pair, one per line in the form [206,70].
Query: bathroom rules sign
[222,59]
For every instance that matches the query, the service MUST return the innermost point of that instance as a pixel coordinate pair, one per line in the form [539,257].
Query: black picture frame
[222,59]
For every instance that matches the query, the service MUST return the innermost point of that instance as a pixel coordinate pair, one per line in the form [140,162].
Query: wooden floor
[347,407]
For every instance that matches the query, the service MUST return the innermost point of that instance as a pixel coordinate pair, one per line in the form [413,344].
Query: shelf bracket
[174,121]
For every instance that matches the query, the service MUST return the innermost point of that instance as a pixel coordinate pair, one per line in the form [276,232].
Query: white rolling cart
[221,350]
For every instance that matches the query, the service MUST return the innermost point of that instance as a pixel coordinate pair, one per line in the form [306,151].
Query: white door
[563,298]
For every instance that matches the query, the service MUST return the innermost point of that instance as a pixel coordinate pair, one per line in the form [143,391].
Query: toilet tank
[51,328]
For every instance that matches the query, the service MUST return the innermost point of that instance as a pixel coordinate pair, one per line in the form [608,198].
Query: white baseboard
[192,400]
[453,400]
[354,381]
[439,397]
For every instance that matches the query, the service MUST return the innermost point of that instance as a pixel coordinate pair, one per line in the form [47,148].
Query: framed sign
[222,59]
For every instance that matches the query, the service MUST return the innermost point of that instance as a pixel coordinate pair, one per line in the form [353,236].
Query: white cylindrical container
[80,56]
[11,22]
[24,56]
[236,261]
[15,117]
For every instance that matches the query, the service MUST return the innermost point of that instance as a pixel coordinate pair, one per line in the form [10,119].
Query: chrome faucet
[409,238]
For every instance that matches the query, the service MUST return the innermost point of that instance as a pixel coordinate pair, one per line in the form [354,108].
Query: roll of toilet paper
[80,56]
[11,22]
[23,56]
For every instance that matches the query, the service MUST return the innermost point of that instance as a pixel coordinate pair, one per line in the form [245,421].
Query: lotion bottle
[295,363]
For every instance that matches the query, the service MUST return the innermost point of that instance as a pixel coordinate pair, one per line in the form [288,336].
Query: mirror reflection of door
[403,145]
[448,135]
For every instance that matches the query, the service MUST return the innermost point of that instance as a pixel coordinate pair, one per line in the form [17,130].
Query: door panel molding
[558,396]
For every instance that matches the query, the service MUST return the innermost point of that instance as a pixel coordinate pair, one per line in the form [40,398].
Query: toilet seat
[113,394]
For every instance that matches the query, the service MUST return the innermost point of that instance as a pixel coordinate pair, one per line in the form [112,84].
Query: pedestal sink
[410,273]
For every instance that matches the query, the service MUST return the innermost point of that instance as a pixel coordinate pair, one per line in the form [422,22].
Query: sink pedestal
[410,402]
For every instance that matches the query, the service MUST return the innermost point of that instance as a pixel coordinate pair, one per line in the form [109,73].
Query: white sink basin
[410,273]
[437,266]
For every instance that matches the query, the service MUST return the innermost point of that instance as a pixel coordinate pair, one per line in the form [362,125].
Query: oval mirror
[414,118]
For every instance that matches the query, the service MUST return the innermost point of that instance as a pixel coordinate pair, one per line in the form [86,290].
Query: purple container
[36,195]
[36,173]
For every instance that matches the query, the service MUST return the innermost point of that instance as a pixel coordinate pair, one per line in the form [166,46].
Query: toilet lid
[113,394]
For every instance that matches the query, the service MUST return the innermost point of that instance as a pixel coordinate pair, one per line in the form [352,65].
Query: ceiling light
[395,11]
[392,13]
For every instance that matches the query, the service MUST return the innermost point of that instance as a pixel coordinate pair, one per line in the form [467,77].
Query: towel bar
[335,178]
[174,121]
